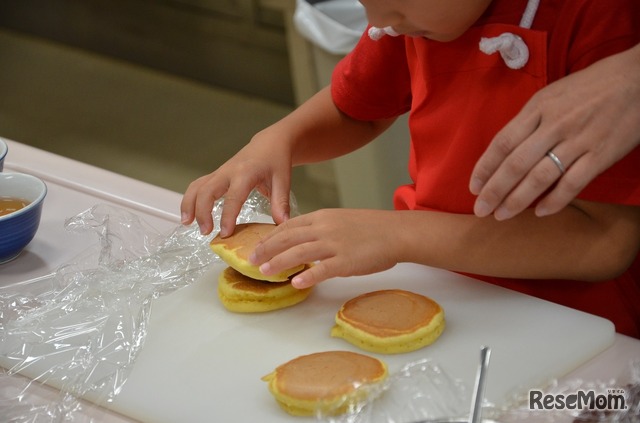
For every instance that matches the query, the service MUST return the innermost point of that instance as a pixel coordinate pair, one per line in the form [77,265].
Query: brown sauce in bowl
[10,204]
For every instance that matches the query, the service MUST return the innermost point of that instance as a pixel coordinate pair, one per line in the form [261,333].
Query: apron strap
[529,14]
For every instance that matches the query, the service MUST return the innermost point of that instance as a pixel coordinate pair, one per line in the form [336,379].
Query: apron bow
[512,48]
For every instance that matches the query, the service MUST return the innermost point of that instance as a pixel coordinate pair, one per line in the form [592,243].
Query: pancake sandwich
[235,250]
[242,294]
[389,321]
[324,382]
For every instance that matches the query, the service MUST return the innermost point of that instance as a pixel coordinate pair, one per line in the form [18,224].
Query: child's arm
[586,241]
[315,131]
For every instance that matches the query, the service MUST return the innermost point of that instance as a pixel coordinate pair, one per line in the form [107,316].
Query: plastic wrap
[422,392]
[81,328]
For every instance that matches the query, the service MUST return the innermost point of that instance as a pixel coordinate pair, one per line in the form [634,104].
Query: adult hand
[258,165]
[589,119]
[341,242]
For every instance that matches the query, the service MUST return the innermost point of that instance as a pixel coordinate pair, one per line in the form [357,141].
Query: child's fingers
[314,275]
[197,203]
[188,203]
[234,199]
[205,197]
[281,188]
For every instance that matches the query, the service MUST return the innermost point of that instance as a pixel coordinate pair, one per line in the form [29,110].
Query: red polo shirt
[459,97]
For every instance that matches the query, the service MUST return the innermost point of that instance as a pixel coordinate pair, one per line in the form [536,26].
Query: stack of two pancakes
[242,288]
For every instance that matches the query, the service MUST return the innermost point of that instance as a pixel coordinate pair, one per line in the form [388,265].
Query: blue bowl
[3,152]
[17,229]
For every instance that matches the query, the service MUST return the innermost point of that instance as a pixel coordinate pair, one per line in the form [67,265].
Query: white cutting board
[202,363]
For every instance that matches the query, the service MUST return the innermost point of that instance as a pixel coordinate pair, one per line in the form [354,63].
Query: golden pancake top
[245,238]
[389,313]
[326,375]
[235,251]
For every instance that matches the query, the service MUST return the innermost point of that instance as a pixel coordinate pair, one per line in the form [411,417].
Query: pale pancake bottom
[394,344]
[241,294]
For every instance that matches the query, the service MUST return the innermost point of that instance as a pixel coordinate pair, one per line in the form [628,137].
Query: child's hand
[258,165]
[342,242]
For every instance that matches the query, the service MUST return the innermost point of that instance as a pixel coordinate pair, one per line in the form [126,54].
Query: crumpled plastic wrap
[419,390]
[81,328]
[422,392]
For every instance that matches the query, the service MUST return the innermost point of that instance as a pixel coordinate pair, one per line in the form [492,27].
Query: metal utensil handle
[475,415]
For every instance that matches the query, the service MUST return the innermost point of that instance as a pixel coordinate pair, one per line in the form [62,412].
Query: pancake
[323,382]
[389,321]
[235,250]
[241,294]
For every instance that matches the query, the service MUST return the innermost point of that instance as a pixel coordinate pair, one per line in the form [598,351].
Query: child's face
[439,20]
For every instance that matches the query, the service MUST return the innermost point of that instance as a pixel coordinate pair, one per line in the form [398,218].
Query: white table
[162,207]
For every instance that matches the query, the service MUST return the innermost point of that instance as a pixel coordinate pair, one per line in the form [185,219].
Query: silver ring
[556,161]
